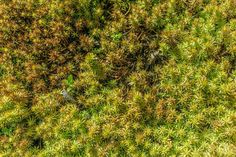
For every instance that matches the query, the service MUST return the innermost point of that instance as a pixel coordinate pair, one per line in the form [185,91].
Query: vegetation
[149,78]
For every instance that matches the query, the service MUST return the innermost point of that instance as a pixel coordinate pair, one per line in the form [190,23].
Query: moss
[147,78]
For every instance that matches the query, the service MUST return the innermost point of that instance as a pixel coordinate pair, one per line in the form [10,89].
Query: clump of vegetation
[147,77]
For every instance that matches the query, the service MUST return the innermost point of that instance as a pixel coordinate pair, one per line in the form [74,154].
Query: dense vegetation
[147,78]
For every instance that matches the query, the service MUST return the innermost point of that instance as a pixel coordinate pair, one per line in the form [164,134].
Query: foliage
[149,77]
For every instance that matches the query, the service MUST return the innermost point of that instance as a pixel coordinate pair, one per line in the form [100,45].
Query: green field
[117,78]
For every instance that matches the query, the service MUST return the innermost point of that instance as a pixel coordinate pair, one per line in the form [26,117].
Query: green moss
[149,78]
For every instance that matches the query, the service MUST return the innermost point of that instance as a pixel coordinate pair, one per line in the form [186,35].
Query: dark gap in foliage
[38,143]
[233,66]
[2,71]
